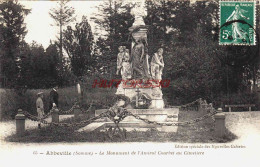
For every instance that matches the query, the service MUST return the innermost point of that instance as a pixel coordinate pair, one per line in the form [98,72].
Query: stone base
[155,94]
[157,104]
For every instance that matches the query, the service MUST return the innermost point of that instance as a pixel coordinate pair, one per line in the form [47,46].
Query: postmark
[237,23]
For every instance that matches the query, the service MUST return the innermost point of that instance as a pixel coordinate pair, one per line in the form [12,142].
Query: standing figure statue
[237,31]
[120,58]
[157,64]
[123,64]
[126,66]
[140,66]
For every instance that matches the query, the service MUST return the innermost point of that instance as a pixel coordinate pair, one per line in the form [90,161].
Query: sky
[39,21]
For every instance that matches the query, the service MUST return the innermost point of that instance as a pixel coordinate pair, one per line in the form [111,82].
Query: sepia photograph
[130,82]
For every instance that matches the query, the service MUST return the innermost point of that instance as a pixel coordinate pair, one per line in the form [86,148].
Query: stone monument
[142,84]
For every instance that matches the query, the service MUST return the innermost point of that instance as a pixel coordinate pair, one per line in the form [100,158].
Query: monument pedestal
[153,94]
[155,111]
[157,103]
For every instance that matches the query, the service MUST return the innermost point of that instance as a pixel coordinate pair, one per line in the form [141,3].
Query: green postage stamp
[237,23]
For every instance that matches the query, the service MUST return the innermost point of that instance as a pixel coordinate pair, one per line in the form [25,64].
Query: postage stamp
[237,23]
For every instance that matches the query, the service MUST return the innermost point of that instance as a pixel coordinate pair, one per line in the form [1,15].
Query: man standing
[54,97]
[39,107]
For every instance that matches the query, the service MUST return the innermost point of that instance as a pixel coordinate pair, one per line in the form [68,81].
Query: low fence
[117,114]
[249,106]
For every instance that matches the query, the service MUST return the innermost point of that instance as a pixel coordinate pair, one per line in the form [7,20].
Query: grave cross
[137,97]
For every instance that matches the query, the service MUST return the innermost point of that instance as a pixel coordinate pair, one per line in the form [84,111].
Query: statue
[126,66]
[139,66]
[136,57]
[119,59]
[123,64]
[139,60]
[157,65]
[139,12]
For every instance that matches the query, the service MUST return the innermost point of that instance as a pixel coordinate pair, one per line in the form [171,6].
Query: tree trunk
[61,41]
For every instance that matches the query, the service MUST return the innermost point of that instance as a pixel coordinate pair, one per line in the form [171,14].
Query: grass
[202,132]
[10,101]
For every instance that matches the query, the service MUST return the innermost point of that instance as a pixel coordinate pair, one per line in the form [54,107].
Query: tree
[54,62]
[41,68]
[173,22]
[12,33]
[195,63]
[62,15]
[78,43]
[113,21]
[194,71]
[160,18]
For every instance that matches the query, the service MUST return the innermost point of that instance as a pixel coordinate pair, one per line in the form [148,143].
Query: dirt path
[8,127]
[245,125]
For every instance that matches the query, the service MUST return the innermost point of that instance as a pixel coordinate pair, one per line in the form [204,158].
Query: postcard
[129,83]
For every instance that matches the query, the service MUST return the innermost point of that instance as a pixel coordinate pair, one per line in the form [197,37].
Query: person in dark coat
[40,108]
[54,97]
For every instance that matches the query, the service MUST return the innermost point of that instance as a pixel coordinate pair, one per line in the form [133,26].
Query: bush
[8,104]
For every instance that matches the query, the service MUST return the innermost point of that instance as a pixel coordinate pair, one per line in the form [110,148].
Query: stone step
[167,111]
[127,125]
[152,117]
[132,125]
[141,129]
[93,126]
